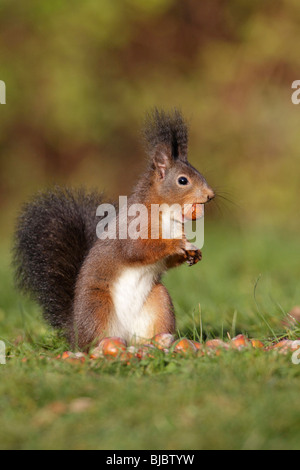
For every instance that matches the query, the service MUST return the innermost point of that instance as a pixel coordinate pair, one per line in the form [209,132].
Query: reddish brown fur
[160,302]
[72,274]
[93,308]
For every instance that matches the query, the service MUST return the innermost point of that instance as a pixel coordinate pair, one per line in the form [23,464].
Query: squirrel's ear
[162,160]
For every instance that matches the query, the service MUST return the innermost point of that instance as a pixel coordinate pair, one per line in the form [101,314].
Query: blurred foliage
[80,76]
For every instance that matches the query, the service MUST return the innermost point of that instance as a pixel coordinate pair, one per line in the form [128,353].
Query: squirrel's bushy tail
[54,233]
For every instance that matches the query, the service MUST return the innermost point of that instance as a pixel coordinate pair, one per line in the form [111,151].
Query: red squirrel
[92,288]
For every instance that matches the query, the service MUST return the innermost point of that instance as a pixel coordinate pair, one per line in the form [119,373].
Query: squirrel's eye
[183,181]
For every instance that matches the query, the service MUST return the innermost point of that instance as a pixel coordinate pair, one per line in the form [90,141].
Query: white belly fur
[129,293]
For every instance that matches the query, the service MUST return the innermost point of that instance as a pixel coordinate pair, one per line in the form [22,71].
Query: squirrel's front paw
[193,256]
[190,253]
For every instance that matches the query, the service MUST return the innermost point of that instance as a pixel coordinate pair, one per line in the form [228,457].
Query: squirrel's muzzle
[210,194]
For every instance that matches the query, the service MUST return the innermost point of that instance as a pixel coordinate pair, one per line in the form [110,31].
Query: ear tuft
[166,133]
[161,159]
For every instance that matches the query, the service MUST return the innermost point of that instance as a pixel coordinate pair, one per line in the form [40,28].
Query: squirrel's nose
[210,194]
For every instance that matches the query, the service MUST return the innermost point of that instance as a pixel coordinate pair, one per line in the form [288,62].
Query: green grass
[239,400]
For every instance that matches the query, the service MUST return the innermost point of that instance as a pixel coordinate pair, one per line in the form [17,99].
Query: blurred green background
[80,76]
